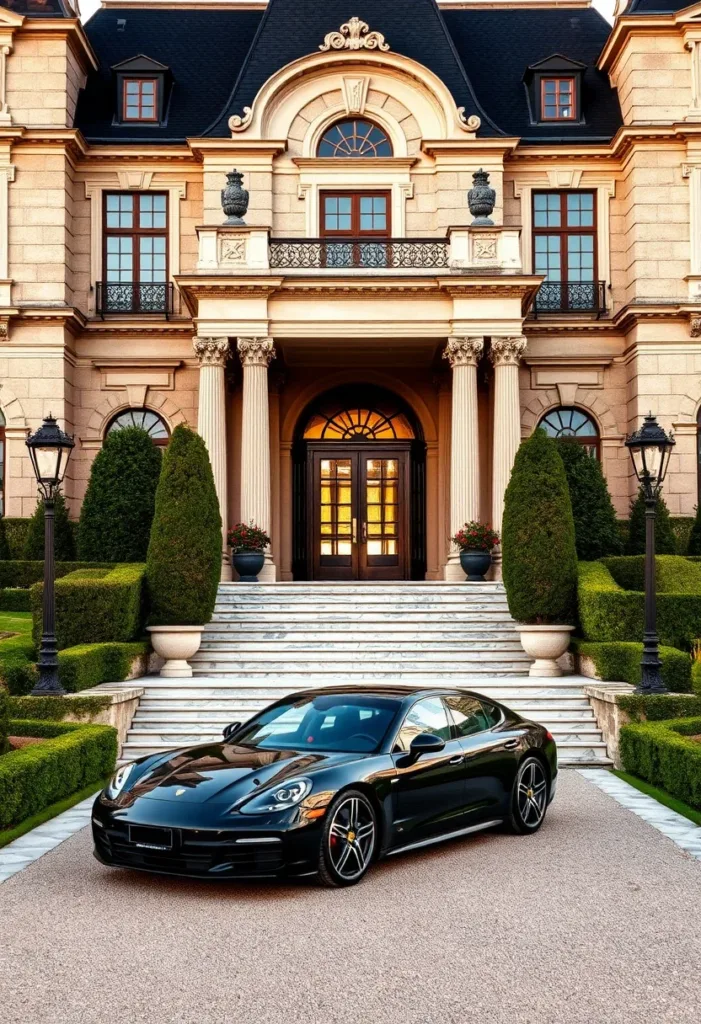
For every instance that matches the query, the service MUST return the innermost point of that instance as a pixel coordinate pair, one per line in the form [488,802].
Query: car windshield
[351,723]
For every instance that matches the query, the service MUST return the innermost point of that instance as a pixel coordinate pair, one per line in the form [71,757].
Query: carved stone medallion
[354,35]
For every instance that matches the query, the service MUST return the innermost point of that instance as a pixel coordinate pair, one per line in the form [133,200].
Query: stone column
[506,354]
[463,355]
[256,355]
[212,354]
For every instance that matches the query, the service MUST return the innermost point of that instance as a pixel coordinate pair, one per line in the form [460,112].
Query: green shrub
[16,664]
[95,606]
[54,709]
[539,556]
[15,534]
[14,599]
[674,574]
[4,720]
[665,755]
[22,574]
[183,566]
[665,541]
[91,664]
[36,776]
[4,546]
[620,662]
[643,707]
[608,612]
[696,677]
[64,535]
[117,511]
[682,527]
[595,524]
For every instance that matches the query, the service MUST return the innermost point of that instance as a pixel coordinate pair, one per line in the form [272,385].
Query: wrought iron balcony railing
[571,297]
[134,297]
[359,253]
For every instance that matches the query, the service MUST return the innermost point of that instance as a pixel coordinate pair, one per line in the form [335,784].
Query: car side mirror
[425,743]
[230,730]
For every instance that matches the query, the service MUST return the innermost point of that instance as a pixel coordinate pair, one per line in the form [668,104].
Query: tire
[529,797]
[344,861]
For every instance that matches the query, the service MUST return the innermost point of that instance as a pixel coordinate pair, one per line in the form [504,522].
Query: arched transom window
[358,424]
[356,138]
[568,421]
[149,421]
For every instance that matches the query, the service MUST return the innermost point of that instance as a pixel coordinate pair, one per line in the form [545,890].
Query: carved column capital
[211,351]
[256,351]
[695,326]
[507,351]
[463,351]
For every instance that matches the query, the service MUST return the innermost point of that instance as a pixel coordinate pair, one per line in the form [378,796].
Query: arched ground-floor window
[569,421]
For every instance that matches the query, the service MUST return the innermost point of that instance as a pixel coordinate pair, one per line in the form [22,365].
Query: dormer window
[142,88]
[557,99]
[140,99]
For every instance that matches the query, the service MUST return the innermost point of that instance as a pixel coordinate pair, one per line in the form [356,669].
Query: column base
[226,570]
[453,572]
[268,573]
[495,570]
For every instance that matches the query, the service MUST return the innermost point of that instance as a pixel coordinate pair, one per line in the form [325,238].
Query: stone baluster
[212,354]
[505,354]
[463,355]
[256,355]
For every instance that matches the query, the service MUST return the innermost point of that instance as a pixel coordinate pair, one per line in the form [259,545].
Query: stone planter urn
[475,564]
[546,644]
[234,198]
[176,644]
[481,199]
[247,564]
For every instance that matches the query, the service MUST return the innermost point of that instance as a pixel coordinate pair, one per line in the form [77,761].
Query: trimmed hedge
[665,539]
[22,574]
[36,776]
[4,720]
[17,670]
[659,707]
[620,662]
[665,755]
[51,709]
[608,612]
[95,606]
[15,534]
[539,556]
[88,665]
[674,574]
[4,546]
[595,525]
[117,511]
[682,527]
[64,533]
[183,566]
[15,599]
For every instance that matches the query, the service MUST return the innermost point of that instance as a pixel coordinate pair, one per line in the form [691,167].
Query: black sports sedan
[327,781]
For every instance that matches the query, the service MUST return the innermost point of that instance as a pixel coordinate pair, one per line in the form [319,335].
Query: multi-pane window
[140,99]
[557,99]
[362,216]
[564,249]
[135,252]
[356,138]
[570,422]
[149,421]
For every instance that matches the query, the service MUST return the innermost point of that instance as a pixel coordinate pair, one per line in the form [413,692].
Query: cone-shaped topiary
[117,512]
[540,560]
[64,536]
[4,546]
[665,541]
[595,525]
[183,565]
[694,546]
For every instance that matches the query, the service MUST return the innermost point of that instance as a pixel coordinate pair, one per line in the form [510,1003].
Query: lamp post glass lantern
[650,448]
[49,451]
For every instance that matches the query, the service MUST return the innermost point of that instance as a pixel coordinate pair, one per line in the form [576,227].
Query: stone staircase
[269,640]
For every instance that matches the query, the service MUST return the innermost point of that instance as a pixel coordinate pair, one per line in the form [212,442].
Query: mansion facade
[362,247]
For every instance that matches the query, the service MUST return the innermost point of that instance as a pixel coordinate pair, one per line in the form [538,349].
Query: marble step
[177,714]
[330,632]
[383,643]
[378,603]
[386,619]
[383,652]
[340,592]
[448,674]
[388,586]
[505,689]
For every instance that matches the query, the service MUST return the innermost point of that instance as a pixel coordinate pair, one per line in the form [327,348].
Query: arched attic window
[354,138]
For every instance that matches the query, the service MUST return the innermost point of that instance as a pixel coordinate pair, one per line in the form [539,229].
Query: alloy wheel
[532,793]
[351,838]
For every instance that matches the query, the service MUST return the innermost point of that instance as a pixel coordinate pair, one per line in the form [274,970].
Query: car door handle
[511,744]
[458,759]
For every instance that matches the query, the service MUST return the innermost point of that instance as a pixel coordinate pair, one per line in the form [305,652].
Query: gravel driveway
[595,920]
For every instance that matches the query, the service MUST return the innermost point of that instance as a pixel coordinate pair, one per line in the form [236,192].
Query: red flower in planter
[476,536]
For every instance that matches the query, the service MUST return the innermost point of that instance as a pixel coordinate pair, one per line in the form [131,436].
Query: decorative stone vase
[475,564]
[546,644]
[175,644]
[234,198]
[481,199]
[248,564]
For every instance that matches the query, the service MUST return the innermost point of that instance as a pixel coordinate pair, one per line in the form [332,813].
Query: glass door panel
[382,510]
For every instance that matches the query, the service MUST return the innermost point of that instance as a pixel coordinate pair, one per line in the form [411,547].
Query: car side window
[470,715]
[428,715]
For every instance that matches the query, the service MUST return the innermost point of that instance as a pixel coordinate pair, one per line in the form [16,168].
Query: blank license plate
[151,838]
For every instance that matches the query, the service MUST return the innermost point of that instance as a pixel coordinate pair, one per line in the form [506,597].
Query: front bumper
[247,850]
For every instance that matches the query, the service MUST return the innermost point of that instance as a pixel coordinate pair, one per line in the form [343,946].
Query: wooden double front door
[359,521]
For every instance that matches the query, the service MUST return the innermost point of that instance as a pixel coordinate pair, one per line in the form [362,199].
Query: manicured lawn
[16,622]
[10,834]
[661,796]
[15,651]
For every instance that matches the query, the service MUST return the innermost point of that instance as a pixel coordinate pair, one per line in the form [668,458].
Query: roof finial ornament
[354,35]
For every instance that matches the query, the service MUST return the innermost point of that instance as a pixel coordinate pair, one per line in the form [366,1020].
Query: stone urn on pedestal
[234,199]
[481,199]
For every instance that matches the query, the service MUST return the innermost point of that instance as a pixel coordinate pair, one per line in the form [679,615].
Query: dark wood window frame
[591,441]
[565,230]
[156,99]
[135,232]
[355,196]
[573,97]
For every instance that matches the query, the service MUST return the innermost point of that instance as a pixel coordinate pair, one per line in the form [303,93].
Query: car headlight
[279,798]
[118,780]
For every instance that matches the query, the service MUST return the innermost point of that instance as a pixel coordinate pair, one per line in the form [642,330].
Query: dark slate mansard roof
[40,8]
[219,59]
[656,6]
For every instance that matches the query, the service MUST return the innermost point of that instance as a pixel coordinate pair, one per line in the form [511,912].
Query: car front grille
[202,852]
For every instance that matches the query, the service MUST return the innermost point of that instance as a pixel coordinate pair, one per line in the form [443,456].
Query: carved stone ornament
[468,124]
[234,198]
[695,326]
[507,351]
[485,247]
[460,351]
[233,250]
[211,351]
[354,35]
[481,199]
[240,124]
[256,351]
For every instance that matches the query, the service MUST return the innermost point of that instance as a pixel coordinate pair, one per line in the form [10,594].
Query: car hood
[224,772]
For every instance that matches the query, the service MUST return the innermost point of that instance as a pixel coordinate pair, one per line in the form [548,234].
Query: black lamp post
[49,450]
[650,449]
